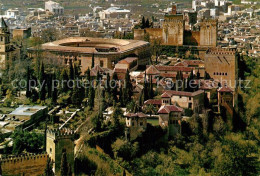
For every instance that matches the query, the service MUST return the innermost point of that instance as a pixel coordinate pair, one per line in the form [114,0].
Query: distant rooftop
[27,110]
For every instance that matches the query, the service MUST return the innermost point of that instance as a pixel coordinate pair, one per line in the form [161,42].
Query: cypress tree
[28,88]
[93,60]
[54,96]
[128,90]
[147,23]
[91,97]
[151,94]
[143,23]
[122,96]
[88,84]
[64,165]
[76,71]
[49,85]
[65,79]
[42,82]
[71,71]
[98,78]
[146,96]
[114,87]
[198,75]
[108,88]
[75,98]
[48,168]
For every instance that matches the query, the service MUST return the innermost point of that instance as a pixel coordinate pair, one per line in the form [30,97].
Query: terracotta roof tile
[166,109]
[170,93]
[225,89]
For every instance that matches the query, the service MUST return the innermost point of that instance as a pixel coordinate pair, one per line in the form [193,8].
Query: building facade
[106,52]
[221,65]
[58,142]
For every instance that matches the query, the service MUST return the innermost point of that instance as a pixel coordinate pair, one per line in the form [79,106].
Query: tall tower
[5,47]
[57,142]
[173,30]
[208,33]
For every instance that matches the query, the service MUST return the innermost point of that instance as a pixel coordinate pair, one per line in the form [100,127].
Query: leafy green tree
[150,109]
[236,157]
[116,116]
[23,140]
[130,107]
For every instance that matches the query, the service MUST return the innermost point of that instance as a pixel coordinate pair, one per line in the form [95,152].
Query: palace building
[106,52]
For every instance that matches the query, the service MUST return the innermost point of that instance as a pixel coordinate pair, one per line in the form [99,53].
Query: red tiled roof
[139,114]
[225,89]
[166,95]
[173,68]
[166,109]
[153,102]
[170,93]
[120,70]
[128,60]
[152,70]
[168,75]
[182,64]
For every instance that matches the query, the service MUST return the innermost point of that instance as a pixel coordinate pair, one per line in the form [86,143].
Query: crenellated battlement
[22,158]
[60,134]
[222,51]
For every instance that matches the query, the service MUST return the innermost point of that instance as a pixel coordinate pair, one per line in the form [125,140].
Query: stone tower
[173,29]
[57,142]
[5,47]
[208,33]
[221,65]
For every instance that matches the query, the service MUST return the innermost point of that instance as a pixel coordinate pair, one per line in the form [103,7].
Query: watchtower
[57,142]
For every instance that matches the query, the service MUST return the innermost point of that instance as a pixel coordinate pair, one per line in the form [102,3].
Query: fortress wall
[28,165]
[139,34]
[155,33]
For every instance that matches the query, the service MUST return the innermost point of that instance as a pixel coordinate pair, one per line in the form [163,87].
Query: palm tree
[150,109]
